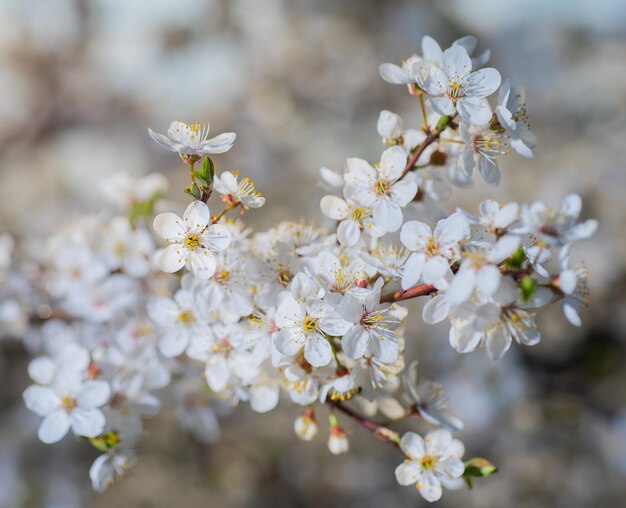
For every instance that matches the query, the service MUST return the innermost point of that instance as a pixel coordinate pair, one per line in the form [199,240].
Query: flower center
[432,247]
[222,276]
[284,276]
[68,403]
[371,319]
[186,317]
[428,462]
[192,241]
[381,187]
[310,324]
[455,90]
[357,214]
[222,346]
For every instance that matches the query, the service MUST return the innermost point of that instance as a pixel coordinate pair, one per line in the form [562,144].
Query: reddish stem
[415,291]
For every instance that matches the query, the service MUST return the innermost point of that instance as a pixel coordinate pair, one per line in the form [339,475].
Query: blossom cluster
[133,301]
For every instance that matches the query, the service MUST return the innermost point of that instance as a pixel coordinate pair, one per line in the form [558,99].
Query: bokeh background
[80,82]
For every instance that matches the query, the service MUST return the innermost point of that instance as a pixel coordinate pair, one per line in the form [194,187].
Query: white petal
[94,393]
[474,110]
[285,342]
[392,162]
[483,82]
[218,144]
[54,427]
[348,232]
[317,351]
[413,270]
[498,343]
[393,74]
[170,226]
[354,342]
[408,473]
[431,50]
[404,191]
[42,369]
[442,105]
[571,313]
[87,421]
[172,258]
[334,207]
[217,237]
[41,400]
[263,398]
[489,171]
[434,269]
[203,264]
[414,235]
[164,141]
[456,62]
[173,343]
[412,445]
[434,80]
[436,309]
[197,215]
[488,280]
[430,486]
[387,215]
[461,287]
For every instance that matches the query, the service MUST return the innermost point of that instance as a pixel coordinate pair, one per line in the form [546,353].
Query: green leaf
[193,191]
[200,179]
[516,259]
[106,441]
[527,286]
[208,169]
[478,467]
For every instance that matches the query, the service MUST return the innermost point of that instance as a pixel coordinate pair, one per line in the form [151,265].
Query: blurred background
[80,82]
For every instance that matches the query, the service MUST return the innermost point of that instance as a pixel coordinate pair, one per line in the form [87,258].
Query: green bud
[442,123]
[516,259]
[528,287]
[479,468]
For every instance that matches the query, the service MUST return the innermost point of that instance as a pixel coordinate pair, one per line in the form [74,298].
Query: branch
[380,431]
[414,292]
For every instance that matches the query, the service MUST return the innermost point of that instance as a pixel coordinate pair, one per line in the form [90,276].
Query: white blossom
[192,240]
[193,139]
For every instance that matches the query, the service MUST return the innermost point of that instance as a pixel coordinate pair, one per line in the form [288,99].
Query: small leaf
[193,191]
[200,179]
[208,169]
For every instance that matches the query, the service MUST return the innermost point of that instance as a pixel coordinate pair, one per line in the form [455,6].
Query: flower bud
[389,126]
[305,426]
[338,441]
[360,280]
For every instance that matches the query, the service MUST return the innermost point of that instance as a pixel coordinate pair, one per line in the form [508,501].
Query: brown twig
[414,292]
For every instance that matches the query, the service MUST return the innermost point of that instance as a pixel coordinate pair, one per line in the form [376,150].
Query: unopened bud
[437,158]
[360,280]
[338,441]
[305,426]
